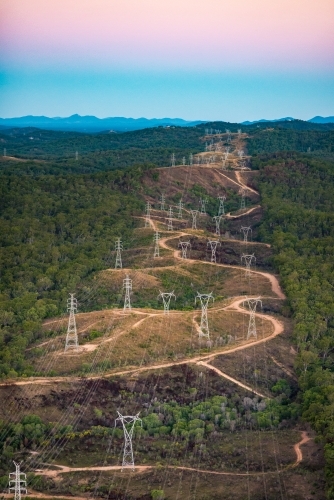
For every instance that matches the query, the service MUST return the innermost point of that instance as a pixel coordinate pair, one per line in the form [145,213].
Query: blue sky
[211,60]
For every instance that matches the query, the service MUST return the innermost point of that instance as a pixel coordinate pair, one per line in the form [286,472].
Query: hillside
[221,397]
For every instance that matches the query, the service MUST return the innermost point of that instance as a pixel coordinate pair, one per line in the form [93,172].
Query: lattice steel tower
[194,214]
[17,482]
[166,298]
[252,304]
[156,239]
[170,219]
[172,160]
[248,259]
[213,244]
[191,159]
[217,219]
[203,202]
[180,208]
[221,209]
[128,422]
[246,230]
[204,327]
[184,248]
[118,248]
[147,214]
[127,285]
[72,335]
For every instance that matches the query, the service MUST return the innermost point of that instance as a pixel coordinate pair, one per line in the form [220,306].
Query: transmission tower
[17,482]
[180,207]
[156,239]
[172,160]
[243,200]
[217,219]
[170,219]
[228,135]
[4,151]
[72,335]
[147,214]
[185,245]
[204,327]
[246,230]
[226,153]
[183,160]
[203,202]
[240,153]
[213,244]
[118,248]
[248,259]
[252,304]
[76,155]
[128,422]
[166,298]
[162,202]
[191,159]
[194,214]
[221,209]
[127,285]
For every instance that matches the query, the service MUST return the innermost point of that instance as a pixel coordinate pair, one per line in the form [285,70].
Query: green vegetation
[55,151]
[271,140]
[298,197]
[54,233]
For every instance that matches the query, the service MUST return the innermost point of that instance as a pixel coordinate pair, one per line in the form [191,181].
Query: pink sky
[214,34]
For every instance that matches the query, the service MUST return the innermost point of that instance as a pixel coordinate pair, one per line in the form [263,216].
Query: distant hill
[79,123]
[316,119]
[322,119]
[287,119]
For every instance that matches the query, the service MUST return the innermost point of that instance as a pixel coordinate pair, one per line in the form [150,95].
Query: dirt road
[63,469]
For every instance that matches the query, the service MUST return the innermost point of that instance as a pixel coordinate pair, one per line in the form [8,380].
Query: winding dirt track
[241,182]
[299,454]
[63,469]
[177,255]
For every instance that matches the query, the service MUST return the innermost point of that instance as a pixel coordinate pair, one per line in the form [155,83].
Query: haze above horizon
[211,61]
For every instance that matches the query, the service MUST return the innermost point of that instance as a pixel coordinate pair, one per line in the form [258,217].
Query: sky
[197,60]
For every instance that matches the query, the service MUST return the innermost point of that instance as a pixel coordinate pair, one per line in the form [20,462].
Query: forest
[54,232]
[59,221]
[297,195]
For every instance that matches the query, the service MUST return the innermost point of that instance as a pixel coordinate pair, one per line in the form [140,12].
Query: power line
[204,327]
[246,230]
[156,239]
[147,214]
[72,335]
[213,244]
[248,259]
[166,298]
[252,304]
[118,248]
[127,420]
[127,285]
[217,219]
[184,248]
[17,482]
[170,219]
[194,214]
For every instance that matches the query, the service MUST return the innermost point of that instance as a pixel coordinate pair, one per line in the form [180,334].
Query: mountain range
[93,124]
[119,124]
